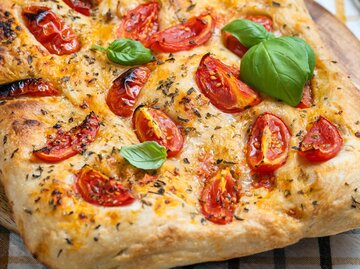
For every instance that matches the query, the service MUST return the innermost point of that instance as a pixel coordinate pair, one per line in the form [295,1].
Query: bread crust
[166,229]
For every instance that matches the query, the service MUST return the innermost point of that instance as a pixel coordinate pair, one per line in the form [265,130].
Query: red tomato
[185,36]
[268,144]
[219,198]
[235,46]
[50,30]
[224,89]
[97,189]
[67,144]
[322,142]
[33,87]
[154,125]
[263,20]
[141,23]
[124,92]
[306,100]
[263,180]
[81,6]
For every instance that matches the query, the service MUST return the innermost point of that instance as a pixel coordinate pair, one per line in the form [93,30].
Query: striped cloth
[338,252]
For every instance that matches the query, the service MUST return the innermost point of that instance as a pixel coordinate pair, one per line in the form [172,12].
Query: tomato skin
[263,20]
[141,23]
[219,198]
[125,90]
[322,142]
[263,180]
[306,100]
[97,189]
[151,124]
[234,45]
[185,36]
[221,85]
[31,87]
[50,30]
[83,7]
[67,144]
[268,144]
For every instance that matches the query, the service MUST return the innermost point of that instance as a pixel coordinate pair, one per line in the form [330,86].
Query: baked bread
[161,222]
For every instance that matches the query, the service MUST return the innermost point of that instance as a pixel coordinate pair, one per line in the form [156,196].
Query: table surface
[340,251]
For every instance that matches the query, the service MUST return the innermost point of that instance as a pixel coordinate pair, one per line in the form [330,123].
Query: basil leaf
[148,155]
[310,53]
[279,67]
[249,33]
[126,51]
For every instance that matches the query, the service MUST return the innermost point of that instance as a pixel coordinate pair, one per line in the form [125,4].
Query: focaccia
[160,218]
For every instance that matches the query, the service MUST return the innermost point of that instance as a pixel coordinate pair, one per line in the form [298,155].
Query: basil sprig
[249,33]
[126,51]
[148,155]
[278,67]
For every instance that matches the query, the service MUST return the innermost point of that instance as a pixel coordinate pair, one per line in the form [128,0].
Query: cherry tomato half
[224,89]
[306,100]
[263,180]
[50,30]
[81,6]
[97,189]
[322,142]
[154,125]
[268,144]
[235,46]
[141,23]
[185,36]
[263,20]
[67,144]
[32,87]
[125,89]
[219,198]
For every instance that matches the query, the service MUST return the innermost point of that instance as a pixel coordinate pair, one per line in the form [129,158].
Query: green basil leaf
[127,52]
[249,33]
[310,54]
[279,67]
[148,155]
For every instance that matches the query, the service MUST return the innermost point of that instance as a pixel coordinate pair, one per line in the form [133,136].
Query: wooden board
[343,44]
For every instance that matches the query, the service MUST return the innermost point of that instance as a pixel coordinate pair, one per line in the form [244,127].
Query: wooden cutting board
[344,46]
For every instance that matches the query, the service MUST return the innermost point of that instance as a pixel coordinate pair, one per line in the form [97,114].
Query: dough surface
[164,227]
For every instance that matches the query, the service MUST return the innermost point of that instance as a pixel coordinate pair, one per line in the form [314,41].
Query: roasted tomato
[50,30]
[192,33]
[81,6]
[235,46]
[219,198]
[97,189]
[224,89]
[125,89]
[141,23]
[263,20]
[154,125]
[31,87]
[268,144]
[263,180]
[322,142]
[64,145]
[306,100]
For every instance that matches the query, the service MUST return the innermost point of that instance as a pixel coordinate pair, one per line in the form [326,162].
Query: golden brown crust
[165,228]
